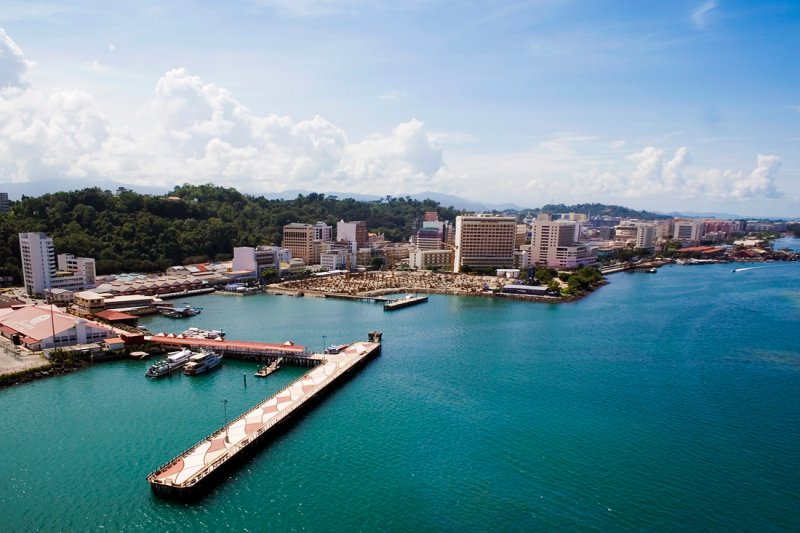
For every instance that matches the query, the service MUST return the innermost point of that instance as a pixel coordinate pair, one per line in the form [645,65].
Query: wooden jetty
[196,470]
[404,302]
[268,369]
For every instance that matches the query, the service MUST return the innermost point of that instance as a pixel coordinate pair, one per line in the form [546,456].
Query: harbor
[196,470]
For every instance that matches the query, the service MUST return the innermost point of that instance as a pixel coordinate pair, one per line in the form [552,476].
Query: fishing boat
[173,362]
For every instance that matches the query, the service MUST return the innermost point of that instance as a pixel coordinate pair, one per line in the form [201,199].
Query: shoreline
[380,283]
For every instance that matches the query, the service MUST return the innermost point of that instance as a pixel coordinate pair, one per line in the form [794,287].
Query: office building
[484,242]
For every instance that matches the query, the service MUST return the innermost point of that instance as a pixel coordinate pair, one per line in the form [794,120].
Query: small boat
[652,270]
[181,312]
[173,362]
[201,362]
[266,370]
[197,333]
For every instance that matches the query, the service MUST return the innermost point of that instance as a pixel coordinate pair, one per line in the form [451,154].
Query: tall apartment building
[323,232]
[554,245]
[38,262]
[484,241]
[355,231]
[4,206]
[299,239]
[688,230]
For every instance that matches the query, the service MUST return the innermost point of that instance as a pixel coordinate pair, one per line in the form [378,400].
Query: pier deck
[190,473]
[232,348]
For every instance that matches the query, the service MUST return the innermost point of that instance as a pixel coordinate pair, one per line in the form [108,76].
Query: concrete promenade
[184,477]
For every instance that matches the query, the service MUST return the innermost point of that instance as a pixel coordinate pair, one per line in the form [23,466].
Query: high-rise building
[554,245]
[484,241]
[38,262]
[355,231]
[3,202]
[645,236]
[688,230]
[323,232]
[299,238]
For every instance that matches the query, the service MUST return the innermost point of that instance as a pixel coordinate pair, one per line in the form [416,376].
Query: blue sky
[680,105]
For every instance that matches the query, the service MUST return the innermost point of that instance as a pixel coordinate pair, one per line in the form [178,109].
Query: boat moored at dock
[173,362]
[201,362]
[266,370]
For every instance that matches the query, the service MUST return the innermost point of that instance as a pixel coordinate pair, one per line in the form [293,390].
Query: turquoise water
[661,402]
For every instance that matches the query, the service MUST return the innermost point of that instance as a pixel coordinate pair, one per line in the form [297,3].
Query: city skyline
[688,106]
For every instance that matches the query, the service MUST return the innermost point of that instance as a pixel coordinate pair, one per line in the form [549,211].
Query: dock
[245,350]
[196,470]
[404,302]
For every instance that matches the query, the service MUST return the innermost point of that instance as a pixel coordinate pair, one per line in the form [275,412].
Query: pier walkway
[247,350]
[191,472]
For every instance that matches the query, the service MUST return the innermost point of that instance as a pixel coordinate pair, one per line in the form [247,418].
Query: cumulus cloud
[199,133]
[12,62]
[655,173]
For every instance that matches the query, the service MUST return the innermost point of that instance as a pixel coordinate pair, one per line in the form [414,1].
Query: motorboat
[201,362]
[173,362]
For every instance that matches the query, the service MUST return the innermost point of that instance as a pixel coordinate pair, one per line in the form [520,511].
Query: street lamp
[323,343]
[225,409]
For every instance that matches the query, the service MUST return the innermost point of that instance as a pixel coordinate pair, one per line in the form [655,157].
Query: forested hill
[128,231]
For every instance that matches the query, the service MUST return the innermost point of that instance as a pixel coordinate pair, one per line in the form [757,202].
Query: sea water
[660,402]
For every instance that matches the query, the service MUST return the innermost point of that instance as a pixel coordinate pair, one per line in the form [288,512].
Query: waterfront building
[299,238]
[645,236]
[39,327]
[257,259]
[430,259]
[40,271]
[688,230]
[38,262]
[355,231]
[484,241]
[554,245]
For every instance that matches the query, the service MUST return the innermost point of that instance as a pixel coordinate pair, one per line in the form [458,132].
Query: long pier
[246,350]
[195,471]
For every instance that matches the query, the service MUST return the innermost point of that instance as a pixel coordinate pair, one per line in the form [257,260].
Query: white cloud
[12,63]
[198,132]
[111,47]
[700,14]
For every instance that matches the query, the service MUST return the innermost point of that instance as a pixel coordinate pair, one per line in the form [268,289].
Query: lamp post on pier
[323,343]
[225,410]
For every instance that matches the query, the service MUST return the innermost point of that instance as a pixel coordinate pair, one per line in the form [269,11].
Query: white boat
[197,333]
[202,361]
[173,362]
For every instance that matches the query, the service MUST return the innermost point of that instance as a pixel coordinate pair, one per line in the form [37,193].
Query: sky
[689,106]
